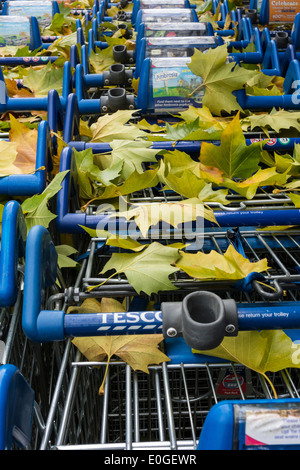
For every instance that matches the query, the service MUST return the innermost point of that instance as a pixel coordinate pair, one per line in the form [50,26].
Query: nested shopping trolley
[167,408]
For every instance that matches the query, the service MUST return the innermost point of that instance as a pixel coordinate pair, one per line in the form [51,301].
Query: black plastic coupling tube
[202,318]
[127,34]
[121,15]
[116,99]
[117,75]
[121,55]
[252,14]
[282,39]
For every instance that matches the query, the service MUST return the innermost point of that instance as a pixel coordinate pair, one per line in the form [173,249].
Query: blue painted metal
[16,408]
[13,239]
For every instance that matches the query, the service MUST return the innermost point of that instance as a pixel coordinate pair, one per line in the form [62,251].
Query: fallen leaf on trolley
[26,142]
[141,269]
[138,351]
[228,266]
[14,91]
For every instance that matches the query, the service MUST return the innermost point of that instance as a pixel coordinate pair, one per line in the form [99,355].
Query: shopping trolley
[265,209]
[166,408]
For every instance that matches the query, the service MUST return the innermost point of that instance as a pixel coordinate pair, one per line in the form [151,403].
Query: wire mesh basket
[166,408]
[162,410]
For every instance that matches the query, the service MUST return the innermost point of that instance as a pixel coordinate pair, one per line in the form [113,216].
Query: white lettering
[144,318]
[132,317]
[118,318]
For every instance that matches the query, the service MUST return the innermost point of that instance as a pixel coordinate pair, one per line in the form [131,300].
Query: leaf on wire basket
[265,351]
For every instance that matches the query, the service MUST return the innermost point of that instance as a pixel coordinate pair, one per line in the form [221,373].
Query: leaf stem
[90,288]
[196,89]
[101,389]
[271,385]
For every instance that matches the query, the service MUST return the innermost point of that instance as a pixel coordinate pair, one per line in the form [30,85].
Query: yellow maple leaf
[26,142]
[228,266]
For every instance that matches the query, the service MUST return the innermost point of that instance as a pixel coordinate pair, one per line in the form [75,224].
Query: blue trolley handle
[202,318]
[13,239]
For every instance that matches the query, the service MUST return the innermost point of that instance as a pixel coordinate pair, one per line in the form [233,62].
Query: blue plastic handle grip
[13,239]
[40,272]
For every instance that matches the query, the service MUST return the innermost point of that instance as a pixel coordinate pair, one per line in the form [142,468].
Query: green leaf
[206,119]
[64,252]
[220,79]
[275,120]
[295,198]
[90,175]
[62,23]
[188,184]
[191,131]
[173,214]
[101,60]
[35,208]
[265,351]
[233,157]
[113,127]
[135,182]
[147,271]
[130,154]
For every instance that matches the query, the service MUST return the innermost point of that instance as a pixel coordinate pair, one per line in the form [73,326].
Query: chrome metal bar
[128,409]
[188,405]
[56,394]
[104,421]
[170,418]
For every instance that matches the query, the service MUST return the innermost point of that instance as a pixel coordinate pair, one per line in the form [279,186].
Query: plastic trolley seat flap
[16,408]
[252,425]
[153,4]
[20,31]
[172,47]
[184,15]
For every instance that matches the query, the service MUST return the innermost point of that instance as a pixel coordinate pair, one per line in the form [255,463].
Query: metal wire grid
[265,199]
[164,409]
[280,248]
